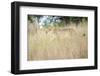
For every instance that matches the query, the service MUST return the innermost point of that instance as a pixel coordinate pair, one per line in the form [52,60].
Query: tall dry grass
[58,43]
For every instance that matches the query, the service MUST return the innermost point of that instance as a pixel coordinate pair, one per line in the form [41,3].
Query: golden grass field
[58,43]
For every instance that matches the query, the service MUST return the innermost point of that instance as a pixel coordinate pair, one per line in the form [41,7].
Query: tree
[46,20]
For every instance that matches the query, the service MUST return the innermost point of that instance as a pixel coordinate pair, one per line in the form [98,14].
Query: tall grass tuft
[70,42]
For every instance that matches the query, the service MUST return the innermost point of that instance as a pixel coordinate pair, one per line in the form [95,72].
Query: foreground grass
[60,43]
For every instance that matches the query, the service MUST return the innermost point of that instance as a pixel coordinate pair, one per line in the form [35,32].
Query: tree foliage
[55,20]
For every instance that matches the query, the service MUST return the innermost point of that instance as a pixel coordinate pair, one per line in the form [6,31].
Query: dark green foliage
[30,18]
[46,21]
